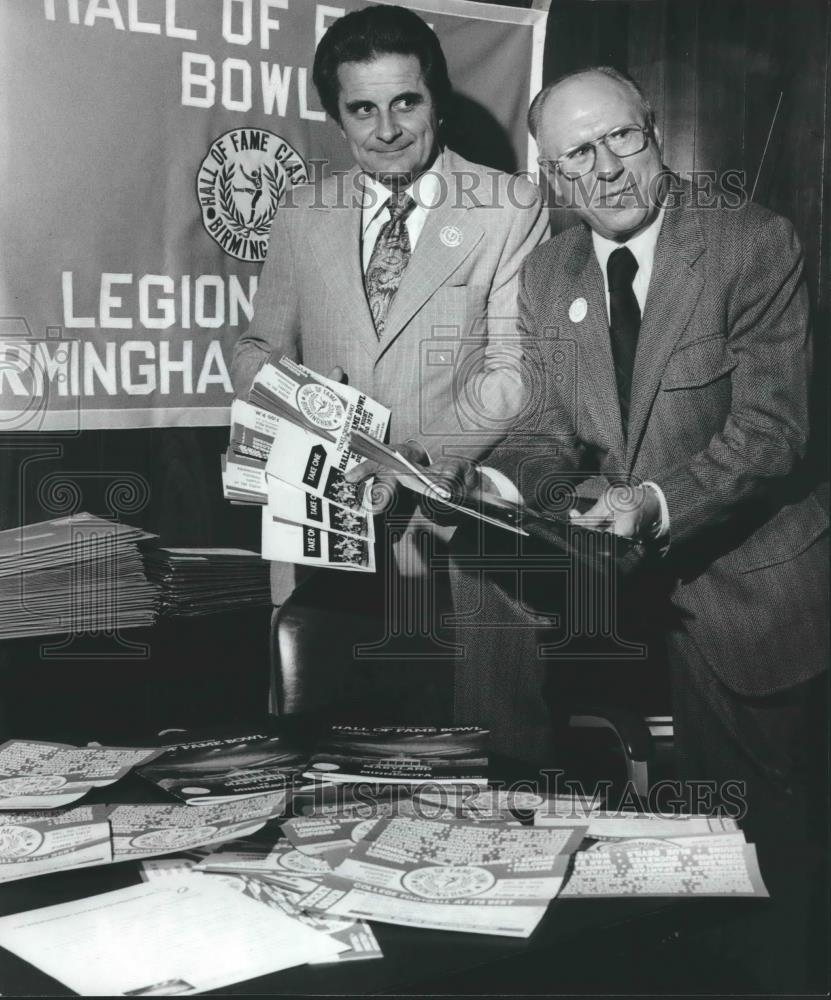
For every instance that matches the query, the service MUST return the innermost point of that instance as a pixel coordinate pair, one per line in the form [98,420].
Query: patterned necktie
[624,324]
[390,256]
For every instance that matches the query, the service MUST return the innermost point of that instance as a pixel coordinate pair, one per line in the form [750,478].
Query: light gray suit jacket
[448,363]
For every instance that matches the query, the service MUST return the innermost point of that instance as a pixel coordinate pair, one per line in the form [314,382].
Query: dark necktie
[624,324]
[389,258]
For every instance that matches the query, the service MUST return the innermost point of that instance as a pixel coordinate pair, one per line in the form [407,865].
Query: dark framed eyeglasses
[623,141]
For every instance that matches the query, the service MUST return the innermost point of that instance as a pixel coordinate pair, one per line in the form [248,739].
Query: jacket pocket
[790,531]
[699,363]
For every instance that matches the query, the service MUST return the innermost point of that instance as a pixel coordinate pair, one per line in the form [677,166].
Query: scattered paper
[624,826]
[39,842]
[329,837]
[449,876]
[40,775]
[274,890]
[281,862]
[179,937]
[143,831]
[712,865]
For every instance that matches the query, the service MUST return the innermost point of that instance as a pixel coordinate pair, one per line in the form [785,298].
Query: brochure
[38,775]
[202,772]
[449,876]
[40,842]
[144,831]
[310,546]
[402,755]
[709,865]
[286,503]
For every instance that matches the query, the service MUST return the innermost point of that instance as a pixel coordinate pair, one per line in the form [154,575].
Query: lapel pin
[577,310]
[451,236]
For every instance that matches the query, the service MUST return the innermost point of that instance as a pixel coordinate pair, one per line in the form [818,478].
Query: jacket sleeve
[766,430]
[275,326]
[543,454]
[491,391]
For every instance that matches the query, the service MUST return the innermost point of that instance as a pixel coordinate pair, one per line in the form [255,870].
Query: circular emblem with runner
[448,881]
[240,184]
[174,838]
[32,784]
[18,841]
[321,406]
[295,861]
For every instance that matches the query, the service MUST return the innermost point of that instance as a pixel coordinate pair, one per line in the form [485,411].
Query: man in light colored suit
[402,273]
[440,347]
[673,362]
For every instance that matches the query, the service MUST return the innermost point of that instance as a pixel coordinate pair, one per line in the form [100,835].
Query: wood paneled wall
[727,78]
[715,70]
[737,85]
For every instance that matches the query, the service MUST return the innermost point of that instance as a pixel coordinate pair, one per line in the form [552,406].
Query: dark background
[727,79]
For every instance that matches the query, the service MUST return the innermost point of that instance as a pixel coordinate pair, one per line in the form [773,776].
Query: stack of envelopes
[200,581]
[73,574]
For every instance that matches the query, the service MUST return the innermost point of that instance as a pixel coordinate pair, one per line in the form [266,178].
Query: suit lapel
[674,289]
[451,231]
[336,244]
[594,352]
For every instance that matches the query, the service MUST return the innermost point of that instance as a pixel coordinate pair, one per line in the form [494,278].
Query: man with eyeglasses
[672,365]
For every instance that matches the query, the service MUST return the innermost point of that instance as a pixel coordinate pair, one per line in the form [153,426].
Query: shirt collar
[426,190]
[642,245]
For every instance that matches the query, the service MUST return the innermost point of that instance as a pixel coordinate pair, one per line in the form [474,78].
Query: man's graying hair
[538,104]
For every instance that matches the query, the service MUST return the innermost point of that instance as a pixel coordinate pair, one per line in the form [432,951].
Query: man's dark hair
[374,31]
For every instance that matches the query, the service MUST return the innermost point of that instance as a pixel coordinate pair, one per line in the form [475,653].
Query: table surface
[572,933]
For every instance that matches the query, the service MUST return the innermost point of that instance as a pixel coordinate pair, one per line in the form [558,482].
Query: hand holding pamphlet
[550,529]
[289,451]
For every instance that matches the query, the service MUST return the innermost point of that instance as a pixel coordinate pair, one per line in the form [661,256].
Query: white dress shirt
[642,247]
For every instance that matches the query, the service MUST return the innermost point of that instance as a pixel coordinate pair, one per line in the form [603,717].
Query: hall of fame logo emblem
[240,184]
[448,881]
[18,841]
[174,837]
[321,406]
[31,784]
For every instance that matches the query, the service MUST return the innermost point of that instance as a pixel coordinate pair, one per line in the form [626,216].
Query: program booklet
[406,755]
[205,772]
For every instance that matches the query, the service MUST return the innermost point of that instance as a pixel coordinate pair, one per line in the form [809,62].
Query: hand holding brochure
[289,451]
[553,530]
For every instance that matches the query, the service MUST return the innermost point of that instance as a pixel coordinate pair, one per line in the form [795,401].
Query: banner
[146,147]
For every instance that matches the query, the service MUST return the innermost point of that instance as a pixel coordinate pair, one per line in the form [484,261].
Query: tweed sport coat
[718,419]
[447,364]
